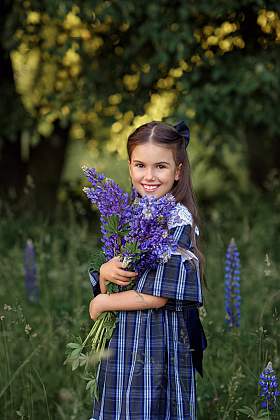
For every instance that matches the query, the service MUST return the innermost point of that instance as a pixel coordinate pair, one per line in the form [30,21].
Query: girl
[158,341]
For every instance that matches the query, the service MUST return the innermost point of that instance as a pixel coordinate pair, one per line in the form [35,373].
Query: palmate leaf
[97,261]
[112,224]
[123,230]
[254,413]
[132,247]
[73,351]
[92,384]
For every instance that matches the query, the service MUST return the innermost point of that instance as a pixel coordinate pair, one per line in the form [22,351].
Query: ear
[178,172]
[129,165]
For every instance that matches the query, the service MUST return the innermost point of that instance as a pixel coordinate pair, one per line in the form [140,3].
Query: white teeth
[150,187]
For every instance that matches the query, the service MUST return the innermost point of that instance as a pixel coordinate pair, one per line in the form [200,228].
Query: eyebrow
[157,163]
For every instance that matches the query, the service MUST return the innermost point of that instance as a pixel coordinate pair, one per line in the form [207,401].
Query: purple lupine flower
[232,286]
[144,220]
[148,228]
[269,384]
[30,272]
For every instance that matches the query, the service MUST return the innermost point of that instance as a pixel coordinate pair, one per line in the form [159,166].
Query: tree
[79,65]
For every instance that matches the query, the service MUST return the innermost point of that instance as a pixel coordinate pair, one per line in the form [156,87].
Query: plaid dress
[150,374]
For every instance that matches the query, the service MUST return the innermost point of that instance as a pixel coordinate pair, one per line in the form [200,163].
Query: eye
[139,165]
[161,166]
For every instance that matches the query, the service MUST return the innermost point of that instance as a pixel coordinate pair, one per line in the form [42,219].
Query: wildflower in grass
[232,286]
[30,272]
[269,384]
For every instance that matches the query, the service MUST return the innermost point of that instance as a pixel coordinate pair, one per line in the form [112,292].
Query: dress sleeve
[94,280]
[178,279]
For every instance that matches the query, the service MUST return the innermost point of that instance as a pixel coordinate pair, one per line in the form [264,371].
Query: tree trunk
[263,155]
[32,184]
[44,169]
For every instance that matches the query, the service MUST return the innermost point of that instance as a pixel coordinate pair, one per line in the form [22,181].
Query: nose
[149,174]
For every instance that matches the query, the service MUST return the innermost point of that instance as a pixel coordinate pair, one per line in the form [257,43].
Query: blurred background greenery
[76,78]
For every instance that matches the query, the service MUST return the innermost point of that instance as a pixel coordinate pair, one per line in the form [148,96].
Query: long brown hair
[167,136]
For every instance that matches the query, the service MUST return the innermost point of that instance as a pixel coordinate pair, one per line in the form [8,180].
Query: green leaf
[130,286]
[90,383]
[84,358]
[254,414]
[73,345]
[75,364]
[112,224]
[246,410]
[111,287]
[76,353]
[97,262]
[108,234]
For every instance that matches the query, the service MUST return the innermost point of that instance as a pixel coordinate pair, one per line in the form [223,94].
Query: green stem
[96,338]
[92,332]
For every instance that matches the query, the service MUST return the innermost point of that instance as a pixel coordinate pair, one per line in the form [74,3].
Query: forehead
[152,153]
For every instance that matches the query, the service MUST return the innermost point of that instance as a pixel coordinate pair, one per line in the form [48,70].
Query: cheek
[133,174]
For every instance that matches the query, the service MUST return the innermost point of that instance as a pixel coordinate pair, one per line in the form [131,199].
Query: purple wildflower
[143,220]
[232,286]
[110,200]
[269,384]
[30,272]
[148,228]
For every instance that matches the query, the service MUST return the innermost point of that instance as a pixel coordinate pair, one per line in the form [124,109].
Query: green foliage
[219,58]
[97,262]
[63,253]
[254,413]
[22,413]
[31,360]
[86,70]
[113,228]
[101,332]
[134,251]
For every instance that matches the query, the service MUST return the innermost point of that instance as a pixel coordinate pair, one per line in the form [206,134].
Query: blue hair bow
[183,130]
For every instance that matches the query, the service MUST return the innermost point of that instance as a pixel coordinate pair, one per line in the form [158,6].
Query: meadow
[34,384]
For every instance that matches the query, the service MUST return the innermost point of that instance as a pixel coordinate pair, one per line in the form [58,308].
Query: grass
[34,383]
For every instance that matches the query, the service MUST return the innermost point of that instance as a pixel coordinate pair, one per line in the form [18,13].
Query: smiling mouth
[150,187]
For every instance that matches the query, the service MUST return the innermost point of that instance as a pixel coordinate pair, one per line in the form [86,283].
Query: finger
[124,273]
[122,280]
[119,264]
[123,283]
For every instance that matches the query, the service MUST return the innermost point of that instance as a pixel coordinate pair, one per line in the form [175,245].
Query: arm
[124,301]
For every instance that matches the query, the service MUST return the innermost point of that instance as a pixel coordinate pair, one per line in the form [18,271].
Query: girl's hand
[113,271]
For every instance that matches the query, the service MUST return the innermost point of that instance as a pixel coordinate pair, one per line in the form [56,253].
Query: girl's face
[153,170]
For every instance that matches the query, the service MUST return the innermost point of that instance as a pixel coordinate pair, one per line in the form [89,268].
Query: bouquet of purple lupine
[135,230]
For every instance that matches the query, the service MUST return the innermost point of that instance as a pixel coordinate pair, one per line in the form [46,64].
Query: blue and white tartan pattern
[150,375]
